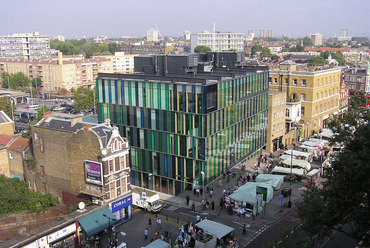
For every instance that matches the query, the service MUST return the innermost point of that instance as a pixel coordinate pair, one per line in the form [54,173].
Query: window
[35,136]
[287,112]
[294,81]
[118,187]
[278,114]
[317,82]
[286,81]
[274,128]
[279,102]
[42,148]
[10,155]
[302,111]
[281,126]
[43,187]
[315,123]
[122,162]
[116,145]
[303,82]
[269,80]
[322,81]
[278,127]
[274,115]
[275,80]
[319,122]
[211,99]
[282,101]
[111,165]
[42,170]
[326,93]
[112,190]
[321,95]
[317,96]
[316,110]
[303,97]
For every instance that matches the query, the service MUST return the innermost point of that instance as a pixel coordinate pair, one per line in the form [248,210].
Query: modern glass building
[181,125]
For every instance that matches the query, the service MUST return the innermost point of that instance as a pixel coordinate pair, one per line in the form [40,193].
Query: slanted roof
[5,139]
[19,145]
[4,118]
[217,229]
[158,243]
[95,222]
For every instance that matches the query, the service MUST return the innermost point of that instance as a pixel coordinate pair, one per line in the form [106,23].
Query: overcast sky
[116,18]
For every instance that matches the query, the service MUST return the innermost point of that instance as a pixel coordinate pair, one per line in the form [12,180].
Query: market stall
[216,232]
[297,163]
[245,197]
[299,154]
[158,243]
[274,180]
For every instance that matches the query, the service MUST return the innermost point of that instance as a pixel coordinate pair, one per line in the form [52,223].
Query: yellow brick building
[276,116]
[317,89]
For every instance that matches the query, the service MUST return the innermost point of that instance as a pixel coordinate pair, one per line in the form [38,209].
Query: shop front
[65,237]
[121,209]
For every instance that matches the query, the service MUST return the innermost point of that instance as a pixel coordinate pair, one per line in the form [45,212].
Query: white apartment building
[316,39]
[24,46]
[152,35]
[121,63]
[218,41]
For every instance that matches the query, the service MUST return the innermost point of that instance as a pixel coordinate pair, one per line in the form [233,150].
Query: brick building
[78,160]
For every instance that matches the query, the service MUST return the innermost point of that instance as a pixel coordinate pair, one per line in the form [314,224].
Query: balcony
[293,111]
[93,190]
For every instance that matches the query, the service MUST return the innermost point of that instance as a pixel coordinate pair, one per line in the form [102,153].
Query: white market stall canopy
[285,156]
[214,228]
[327,133]
[274,180]
[298,153]
[158,243]
[247,193]
[315,143]
[309,148]
[283,170]
[297,162]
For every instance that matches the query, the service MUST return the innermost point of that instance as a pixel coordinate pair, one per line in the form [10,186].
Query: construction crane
[159,32]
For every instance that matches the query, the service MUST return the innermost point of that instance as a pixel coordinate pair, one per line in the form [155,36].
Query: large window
[211,99]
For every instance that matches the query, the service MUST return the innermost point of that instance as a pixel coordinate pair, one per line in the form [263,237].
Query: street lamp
[203,186]
[290,181]
[109,234]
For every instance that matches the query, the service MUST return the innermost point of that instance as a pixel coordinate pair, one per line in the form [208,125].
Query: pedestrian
[237,218]
[210,193]
[248,177]
[197,190]
[146,233]
[255,166]
[162,236]
[156,233]
[193,207]
[187,200]
[201,191]
[159,224]
[259,164]
[244,229]
[213,205]
[220,183]
[150,222]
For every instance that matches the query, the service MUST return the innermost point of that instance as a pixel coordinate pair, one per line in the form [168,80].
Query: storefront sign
[93,172]
[127,201]
[61,233]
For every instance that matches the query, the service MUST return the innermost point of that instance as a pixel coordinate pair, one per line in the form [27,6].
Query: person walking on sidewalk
[159,224]
[193,207]
[244,229]
[187,200]
[146,233]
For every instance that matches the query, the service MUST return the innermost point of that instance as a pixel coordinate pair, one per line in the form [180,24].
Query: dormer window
[116,146]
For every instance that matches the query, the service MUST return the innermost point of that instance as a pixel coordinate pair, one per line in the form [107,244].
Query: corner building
[179,125]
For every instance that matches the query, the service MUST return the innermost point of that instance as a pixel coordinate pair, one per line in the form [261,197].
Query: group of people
[165,235]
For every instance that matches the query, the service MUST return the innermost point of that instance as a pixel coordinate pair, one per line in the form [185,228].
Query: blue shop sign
[127,201]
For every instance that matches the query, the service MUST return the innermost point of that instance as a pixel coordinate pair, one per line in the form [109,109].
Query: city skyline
[75,19]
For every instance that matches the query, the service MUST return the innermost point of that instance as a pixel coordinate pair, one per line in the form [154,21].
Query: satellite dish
[81,205]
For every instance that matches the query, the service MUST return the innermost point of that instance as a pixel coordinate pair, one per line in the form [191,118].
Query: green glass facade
[176,129]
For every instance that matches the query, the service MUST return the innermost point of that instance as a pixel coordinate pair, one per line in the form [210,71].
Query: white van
[34,106]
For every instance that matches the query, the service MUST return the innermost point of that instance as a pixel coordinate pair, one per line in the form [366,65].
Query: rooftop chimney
[76,120]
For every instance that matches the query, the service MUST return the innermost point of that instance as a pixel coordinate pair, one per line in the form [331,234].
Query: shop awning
[158,243]
[298,153]
[95,222]
[214,228]
[297,162]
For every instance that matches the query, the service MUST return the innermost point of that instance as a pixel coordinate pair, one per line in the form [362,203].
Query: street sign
[281,197]
[262,191]
[143,195]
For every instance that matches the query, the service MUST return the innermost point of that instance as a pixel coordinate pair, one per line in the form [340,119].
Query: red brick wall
[15,224]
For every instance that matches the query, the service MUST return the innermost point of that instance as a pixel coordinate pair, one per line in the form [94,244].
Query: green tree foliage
[36,82]
[344,197]
[275,57]
[6,107]
[82,46]
[15,197]
[202,49]
[338,56]
[255,49]
[293,238]
[317,60]
[266,52]
[17,80]
[113,47]
[307,41]
[84,98]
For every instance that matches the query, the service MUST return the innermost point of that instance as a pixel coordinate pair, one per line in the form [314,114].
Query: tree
[255,49]
[307,41]
[275,57]
[84,98]
[338,56]
[113,47]
[4,78]
[317,60]
[6,107]
[63,92]
[266,52]
[36,82]
[202,49]
[344,197]
[17,80]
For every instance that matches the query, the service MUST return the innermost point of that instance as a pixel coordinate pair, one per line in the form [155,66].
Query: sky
[117,18]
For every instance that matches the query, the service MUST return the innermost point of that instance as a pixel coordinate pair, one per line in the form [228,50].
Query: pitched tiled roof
[5,139]
[19,145]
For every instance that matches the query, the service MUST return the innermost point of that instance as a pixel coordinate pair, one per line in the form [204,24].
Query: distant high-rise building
[344,32]
[250,34]
[24,46]
[263,33]
[187,35]
[218,41]
[59,37]
[270,33]
[152,35]
[316,39]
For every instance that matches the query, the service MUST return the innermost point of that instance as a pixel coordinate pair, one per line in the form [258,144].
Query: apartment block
[24,46]
[316,89]
[121,63]
[59,72]
[276,116]
[186,117]
[316,39]
[218,41]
